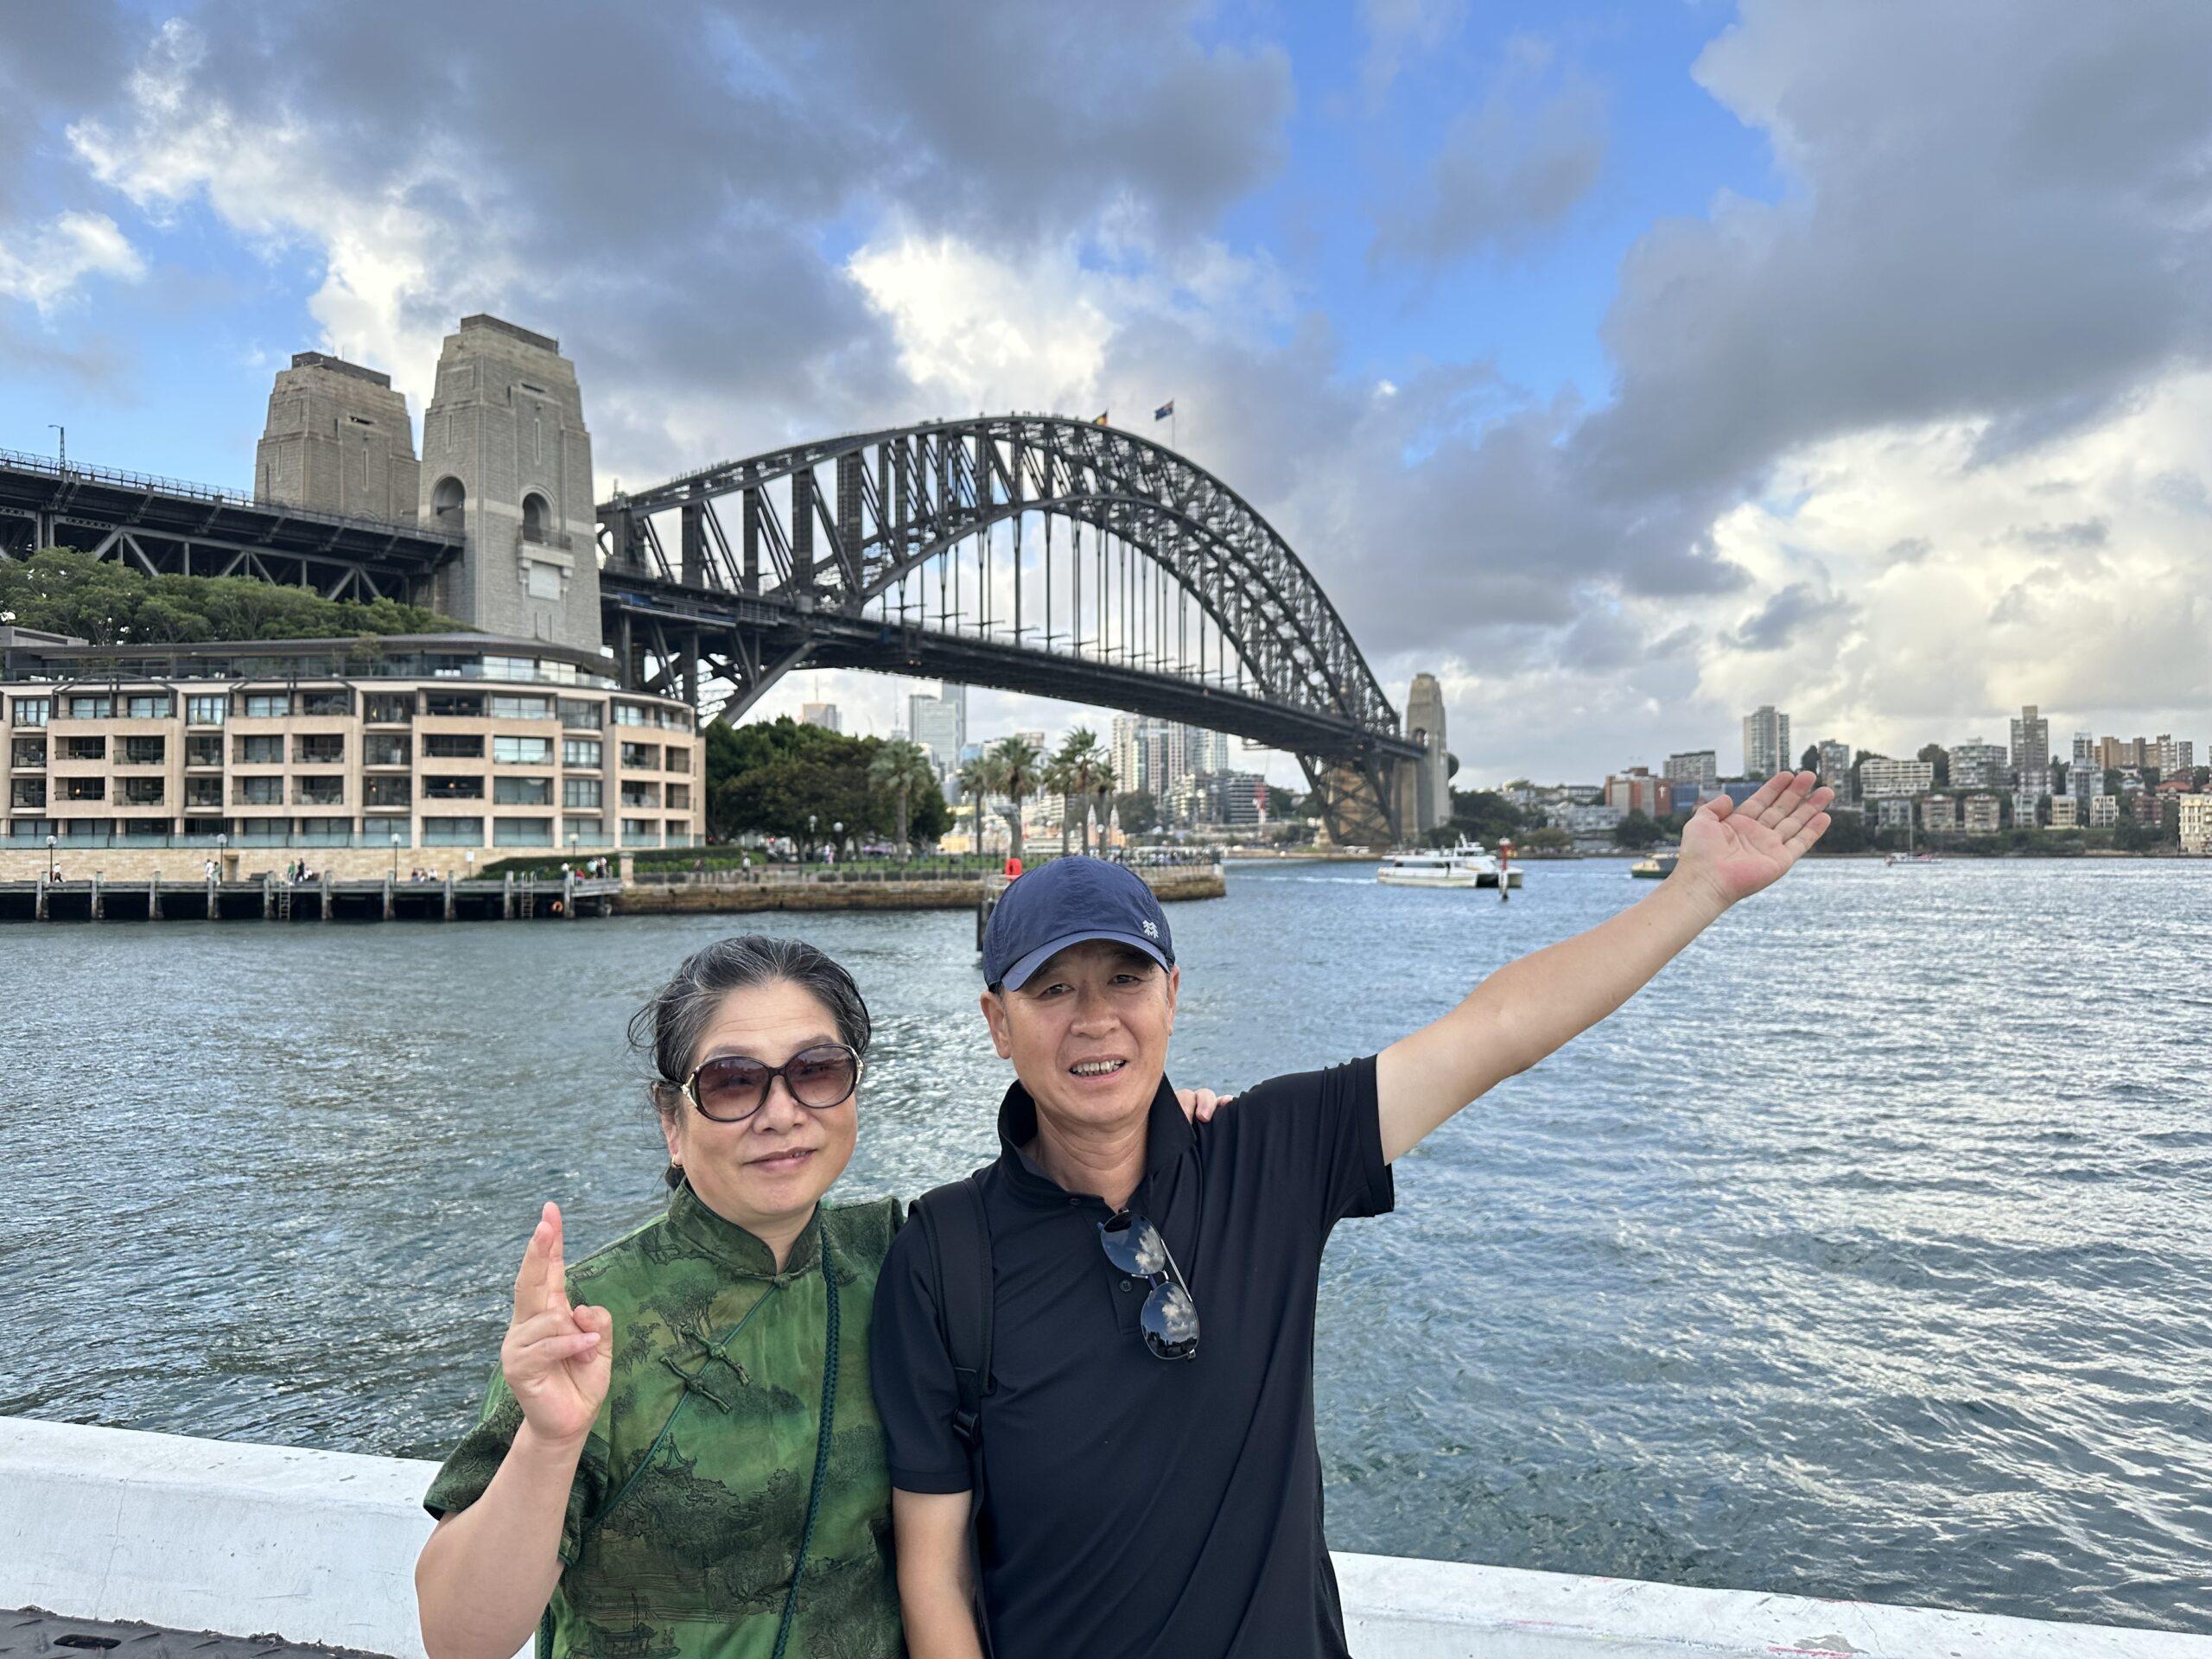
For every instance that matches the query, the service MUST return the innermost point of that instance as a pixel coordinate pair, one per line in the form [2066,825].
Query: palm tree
[1059,779]
[899,769]
[1081,763]
[1102,786]
[975,778]
[1014,774]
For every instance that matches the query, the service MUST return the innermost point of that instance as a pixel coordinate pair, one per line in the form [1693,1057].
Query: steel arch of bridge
[825,531]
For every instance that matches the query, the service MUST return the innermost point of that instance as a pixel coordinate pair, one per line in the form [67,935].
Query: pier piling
[323,915]
[39,912]
[389,909]
[100,900]
[154,897]
[449,910]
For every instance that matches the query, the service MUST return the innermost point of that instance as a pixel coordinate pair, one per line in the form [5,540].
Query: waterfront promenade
[297,1547]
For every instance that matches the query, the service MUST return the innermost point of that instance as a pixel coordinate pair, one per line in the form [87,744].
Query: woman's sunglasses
[731,1088]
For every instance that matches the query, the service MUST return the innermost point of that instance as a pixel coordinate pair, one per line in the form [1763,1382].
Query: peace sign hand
[555,1358]
[1733,851]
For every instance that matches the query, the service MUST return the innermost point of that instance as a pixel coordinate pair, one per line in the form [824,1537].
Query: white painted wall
[321,1547]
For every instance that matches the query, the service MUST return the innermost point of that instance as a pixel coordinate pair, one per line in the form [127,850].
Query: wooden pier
[273,899]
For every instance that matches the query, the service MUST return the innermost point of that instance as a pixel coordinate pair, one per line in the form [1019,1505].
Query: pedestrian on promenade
[679,1455]
[1114,1443]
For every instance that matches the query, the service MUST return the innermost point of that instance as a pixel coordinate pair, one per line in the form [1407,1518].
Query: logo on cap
[1152,930]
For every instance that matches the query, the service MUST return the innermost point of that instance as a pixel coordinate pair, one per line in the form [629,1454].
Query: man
[1151,1480]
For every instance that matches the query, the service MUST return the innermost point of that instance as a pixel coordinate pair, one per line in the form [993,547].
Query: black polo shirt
[1133,1505]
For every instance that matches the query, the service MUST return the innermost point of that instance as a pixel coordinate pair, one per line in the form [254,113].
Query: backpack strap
[959,1238]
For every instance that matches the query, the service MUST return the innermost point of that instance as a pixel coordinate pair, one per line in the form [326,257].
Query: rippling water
[1867,1254]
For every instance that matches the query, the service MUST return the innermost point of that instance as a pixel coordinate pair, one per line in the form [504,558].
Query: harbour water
[1864,1255]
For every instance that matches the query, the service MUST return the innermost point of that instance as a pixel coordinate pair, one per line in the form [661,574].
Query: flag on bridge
[1165,410]
[1101,420]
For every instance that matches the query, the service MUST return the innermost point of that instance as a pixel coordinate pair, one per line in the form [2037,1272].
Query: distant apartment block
[2031,739]
[2174,755]
[939,724]
[1637,790]
[1984,816]
[2114,752]
[1877,778]
[1835,767]
[823,715]
[1939,815]
[1892,812]
[2104,812]
[2065,812]
[2197,823]
[2084,773]
[1977,764]
[1699,766]
[2143,807]
[1766,741]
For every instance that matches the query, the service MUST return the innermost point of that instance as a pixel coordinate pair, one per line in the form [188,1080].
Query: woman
[681,1455]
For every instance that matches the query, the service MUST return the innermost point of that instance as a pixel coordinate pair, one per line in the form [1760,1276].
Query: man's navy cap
[1066,902]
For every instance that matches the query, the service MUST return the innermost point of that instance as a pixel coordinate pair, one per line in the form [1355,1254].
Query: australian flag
[1164,411]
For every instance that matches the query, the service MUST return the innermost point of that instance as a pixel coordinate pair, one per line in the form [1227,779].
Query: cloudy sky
[1627,365]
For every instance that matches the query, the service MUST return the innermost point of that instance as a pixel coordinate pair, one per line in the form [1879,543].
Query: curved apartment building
[424,751]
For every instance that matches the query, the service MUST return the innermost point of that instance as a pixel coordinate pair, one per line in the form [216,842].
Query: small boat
[1466,865]
[1912,861]
[1654,866]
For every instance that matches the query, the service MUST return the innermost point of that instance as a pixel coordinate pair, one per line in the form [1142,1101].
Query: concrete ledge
[319,1547]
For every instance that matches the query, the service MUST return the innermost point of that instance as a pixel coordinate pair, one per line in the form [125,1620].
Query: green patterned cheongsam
[684,1521]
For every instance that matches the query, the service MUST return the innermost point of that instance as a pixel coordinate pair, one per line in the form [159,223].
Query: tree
[1636,829]
[1846,833]
[1139,812]
[63,591]
[1016,765]
[1085,775]
[900,770]
[1055,777]
[1939,757]
[975,781]
[1486,815]
[1810,760]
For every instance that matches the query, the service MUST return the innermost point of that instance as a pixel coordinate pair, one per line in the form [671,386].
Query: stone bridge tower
[338,441]
[507,459]
[1424,785]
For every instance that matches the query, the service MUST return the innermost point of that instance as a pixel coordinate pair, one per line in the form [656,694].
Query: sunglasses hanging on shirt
[1170,1317]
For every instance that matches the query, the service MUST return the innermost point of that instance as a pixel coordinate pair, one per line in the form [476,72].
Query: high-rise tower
[338,441]
[507,458]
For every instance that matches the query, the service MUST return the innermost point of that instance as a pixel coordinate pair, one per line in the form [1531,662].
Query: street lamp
[810,834]
[395,858]
[222,847]
[49,859]
[838,830]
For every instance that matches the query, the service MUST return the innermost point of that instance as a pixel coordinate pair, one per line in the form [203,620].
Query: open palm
[1736,850]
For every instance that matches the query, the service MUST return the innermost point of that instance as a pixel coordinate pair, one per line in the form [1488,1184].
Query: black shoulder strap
[959,1236]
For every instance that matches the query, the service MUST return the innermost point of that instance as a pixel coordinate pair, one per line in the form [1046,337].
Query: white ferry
[1467,865]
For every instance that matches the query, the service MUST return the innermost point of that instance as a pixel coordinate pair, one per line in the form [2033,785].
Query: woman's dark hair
[666,1031]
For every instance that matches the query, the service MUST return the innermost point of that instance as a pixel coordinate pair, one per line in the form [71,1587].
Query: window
[523,751]
[448,497]
[29,751]
[203,749]
[30,792]
[386,791]
[452,746]
[581,751]
[388,708]
[204,710]
[141,791]
[325,749]
[322,832]
[679,797]
[629,714]
[584,829]
[679,833]
[641,794]
[676,720]
[268,751]
[452,789]
[581,792]
[453,705]
[83,748]
[143,752]
[257,792]
[147,705]
[504,708]
[84,789]
[453,832]
[203,792]
[91,708]
[318,791]
[533,506]
[522,791]
[264,705]
[641,832]
[522,832]
[577,714]
[641,757]
[33,711]
[384,749]
[326,703]
[675,759]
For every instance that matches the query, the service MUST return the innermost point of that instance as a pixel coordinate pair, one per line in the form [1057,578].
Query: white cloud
[61,254]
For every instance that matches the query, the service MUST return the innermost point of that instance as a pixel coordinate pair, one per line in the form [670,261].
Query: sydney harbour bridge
[1029,553]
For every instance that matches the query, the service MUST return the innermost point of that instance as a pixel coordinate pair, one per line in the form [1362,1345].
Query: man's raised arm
[1537,1004]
